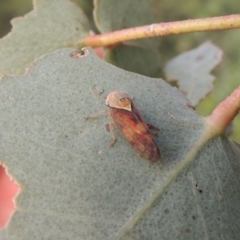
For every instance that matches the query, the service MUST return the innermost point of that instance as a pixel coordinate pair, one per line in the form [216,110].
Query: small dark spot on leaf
[193,217]
[187,230]
[197,187]
[166,211]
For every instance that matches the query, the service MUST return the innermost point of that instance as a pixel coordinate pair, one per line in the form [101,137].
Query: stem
[224,113]
[162,29]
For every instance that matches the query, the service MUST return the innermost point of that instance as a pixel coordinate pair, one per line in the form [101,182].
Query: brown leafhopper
[131,124]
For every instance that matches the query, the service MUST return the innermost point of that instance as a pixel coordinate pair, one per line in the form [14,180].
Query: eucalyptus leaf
[121,55]
[140,56]
[50,26]
[75,186]
[192,70]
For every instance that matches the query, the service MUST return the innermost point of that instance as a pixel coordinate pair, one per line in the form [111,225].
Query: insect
[128,120]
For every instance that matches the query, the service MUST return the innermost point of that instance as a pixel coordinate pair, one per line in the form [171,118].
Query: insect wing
[135,130]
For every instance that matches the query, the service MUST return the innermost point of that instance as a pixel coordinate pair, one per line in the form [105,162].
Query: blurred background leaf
[50,26]
[133,55]
[10,9]
[191,70]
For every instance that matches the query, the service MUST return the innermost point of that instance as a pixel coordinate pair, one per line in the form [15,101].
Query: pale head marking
[120,100]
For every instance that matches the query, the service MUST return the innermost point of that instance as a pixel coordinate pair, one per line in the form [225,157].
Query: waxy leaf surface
[74,186]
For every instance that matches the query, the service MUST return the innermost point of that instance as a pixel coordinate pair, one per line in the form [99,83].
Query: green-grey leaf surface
[50,26]
[74,186]
[192,70]
[115,15]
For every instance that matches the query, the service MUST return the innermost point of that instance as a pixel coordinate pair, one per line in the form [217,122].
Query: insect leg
[111,128]
[151,127]
[96,115]
[154,130]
